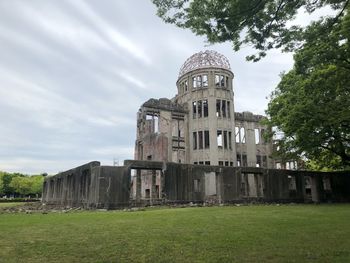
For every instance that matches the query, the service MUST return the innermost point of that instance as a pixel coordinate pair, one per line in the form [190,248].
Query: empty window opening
[199,109]
[226,163]
[196,187]
[257,136]
[194,109]
[237,134]
[278,165]
[222,81]
[186,85]
[244,160]
[258,161]
[195,162]
[207,162]
[242,133]
[230,140]
[200,140]
[194,140]
[223,108]
[200,162]
[206,140]
[228,110]
[218,111]
[205,108]
[239,160]
[199,81]
[147,193]
[225,139]
[219,138]
[205,80]
[221,163]
[217,80]
[149,157]
[231,163]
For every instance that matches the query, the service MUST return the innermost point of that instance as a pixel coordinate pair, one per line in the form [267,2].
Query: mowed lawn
[269,233]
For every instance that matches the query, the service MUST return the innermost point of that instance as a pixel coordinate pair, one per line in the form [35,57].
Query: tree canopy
[264,24]
[311,103]
[16,184]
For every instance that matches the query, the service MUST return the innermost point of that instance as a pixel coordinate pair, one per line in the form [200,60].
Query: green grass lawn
[287,233]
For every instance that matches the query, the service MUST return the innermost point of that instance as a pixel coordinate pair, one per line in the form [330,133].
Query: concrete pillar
[153,186]
[138,186]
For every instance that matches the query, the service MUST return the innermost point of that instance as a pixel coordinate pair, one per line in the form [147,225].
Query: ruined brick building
[199,125]
[195,148]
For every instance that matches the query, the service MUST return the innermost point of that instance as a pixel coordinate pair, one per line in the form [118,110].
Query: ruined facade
[199,125]
[95,186]
[195,148]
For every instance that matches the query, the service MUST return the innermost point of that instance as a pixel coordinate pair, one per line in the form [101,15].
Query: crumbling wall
[88,186]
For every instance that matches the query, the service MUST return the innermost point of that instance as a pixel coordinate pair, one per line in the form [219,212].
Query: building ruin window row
[200,81]
[202,162]
[224,139]
[200,109]
[225,163]
[223,108]
[200,140]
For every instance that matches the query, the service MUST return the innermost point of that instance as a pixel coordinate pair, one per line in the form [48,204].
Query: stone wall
[95,186]
[89,186]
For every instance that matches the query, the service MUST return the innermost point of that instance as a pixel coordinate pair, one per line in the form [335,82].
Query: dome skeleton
[206,59]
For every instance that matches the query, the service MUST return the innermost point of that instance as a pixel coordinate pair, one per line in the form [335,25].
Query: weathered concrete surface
[89,186]
[95,186]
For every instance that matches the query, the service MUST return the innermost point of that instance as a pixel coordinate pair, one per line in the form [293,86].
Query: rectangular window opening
[242,133]
[194,82]
[223,108]
[217,80]
[218,108]
[199,81]
[199,109]
[200,140]
[194,109]
[206,139]
[194,140]
[237,134]
[222,81]
[205,108]
[257,135]
[228,110]
[205,80]
[225,139]
[230,140]
[219,138]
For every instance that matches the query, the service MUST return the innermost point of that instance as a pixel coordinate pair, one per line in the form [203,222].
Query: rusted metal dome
[205,59]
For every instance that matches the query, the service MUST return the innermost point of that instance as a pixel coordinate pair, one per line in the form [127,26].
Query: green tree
[311,103]
[2,192]
[260,23]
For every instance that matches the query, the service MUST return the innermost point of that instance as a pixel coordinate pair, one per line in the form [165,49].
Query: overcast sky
[73,74]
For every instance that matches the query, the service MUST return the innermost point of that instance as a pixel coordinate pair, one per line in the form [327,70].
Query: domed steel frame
[204,59]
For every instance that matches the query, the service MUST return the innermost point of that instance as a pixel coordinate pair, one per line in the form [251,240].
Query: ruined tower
[205,88]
